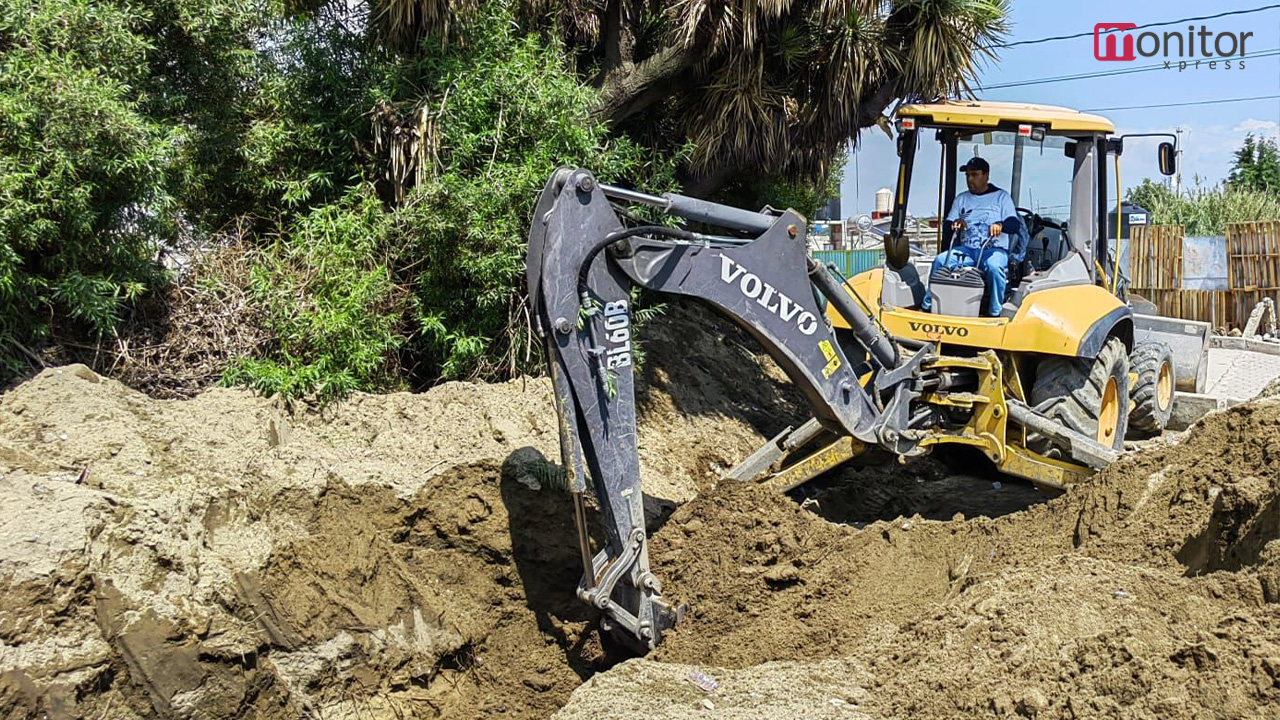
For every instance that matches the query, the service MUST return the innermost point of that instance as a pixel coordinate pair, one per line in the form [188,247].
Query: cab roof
[990,114]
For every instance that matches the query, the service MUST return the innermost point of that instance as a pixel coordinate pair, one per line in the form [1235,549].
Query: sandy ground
[394,555]
[405,556]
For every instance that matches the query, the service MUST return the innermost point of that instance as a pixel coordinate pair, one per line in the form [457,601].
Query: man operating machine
[986,232]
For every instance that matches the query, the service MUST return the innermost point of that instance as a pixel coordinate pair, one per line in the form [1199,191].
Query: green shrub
[1205,210]
[129,128]
[83,196]
[331,305]
[500,113]
[805,197]
[513,114]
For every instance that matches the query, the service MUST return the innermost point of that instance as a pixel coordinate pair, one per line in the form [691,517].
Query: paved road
[1239,373]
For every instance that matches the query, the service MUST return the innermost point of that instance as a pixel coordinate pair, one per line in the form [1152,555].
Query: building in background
[831,211]
[867,231]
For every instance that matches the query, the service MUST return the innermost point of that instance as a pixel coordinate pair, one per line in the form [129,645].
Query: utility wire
[1182,104]
[1055,38]
[1111,73]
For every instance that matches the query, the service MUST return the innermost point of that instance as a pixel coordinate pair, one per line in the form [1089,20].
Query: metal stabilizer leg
[768,455]
[1082,448]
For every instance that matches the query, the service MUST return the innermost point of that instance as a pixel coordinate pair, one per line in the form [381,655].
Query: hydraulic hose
[881,351]
[623,234]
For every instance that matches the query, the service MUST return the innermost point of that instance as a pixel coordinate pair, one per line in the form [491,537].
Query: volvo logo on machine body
[767,296]
[938,329]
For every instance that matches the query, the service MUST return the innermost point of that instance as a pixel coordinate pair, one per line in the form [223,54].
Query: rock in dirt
[781,575]
[829,690]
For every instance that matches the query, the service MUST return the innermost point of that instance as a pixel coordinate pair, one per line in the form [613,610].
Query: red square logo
[1107,42]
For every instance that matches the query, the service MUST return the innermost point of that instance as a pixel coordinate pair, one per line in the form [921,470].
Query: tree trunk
[711,183]
[871,107]
[635,87]
[619,37]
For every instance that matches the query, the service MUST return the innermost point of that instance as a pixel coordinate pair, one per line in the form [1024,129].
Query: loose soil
[1150,592]
[406,556]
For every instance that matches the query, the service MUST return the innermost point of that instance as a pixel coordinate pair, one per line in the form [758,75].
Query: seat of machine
[1070,270]
[905,287]
[957,291]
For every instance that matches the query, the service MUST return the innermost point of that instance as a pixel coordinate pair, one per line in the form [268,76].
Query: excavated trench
[457,601]
[926,487]
[407,556]
[1151,592]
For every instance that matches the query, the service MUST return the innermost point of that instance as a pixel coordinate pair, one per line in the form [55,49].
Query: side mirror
[1167,158]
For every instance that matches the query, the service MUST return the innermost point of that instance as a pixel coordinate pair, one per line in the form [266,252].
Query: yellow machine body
[1071,321]
[1003,353]
[986,114]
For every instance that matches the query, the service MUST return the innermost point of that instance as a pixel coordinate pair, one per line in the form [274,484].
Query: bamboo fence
[1253,272]
[1155,257]
[1253,255]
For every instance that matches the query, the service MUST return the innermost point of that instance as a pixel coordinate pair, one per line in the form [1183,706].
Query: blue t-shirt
[979,213]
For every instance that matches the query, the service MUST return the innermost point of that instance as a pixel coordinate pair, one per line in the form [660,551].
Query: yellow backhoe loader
[1065,342]
[1043,388]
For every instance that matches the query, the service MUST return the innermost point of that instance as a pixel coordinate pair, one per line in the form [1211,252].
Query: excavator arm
[582,266]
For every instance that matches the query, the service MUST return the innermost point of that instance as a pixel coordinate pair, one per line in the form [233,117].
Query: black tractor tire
[1070,390]
[1152,405]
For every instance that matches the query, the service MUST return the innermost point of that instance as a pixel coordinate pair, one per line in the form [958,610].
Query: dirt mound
[1075,636]
[227,557]
[403,556]
[223,558]
[707,398]
[1149,592]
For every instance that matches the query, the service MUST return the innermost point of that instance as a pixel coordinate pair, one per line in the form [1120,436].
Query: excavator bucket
[1189,340]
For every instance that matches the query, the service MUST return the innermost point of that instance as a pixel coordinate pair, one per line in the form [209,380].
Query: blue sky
[1211,132]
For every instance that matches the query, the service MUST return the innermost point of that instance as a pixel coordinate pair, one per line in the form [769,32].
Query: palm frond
[402,24]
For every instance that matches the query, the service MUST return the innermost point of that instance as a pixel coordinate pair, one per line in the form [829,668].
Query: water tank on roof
[884,200]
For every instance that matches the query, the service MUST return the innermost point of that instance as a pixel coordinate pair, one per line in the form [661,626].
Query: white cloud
[1207,150]
[1257,127]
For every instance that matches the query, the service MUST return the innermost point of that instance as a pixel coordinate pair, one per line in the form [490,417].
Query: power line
[1182,104]
[1110,73]
[1055,38]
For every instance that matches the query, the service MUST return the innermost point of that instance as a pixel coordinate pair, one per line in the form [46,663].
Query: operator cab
[1050,160]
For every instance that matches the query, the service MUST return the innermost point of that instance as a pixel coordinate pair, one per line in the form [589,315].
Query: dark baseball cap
[976,163]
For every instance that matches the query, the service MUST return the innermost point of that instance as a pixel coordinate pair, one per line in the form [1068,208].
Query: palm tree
[759,87]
